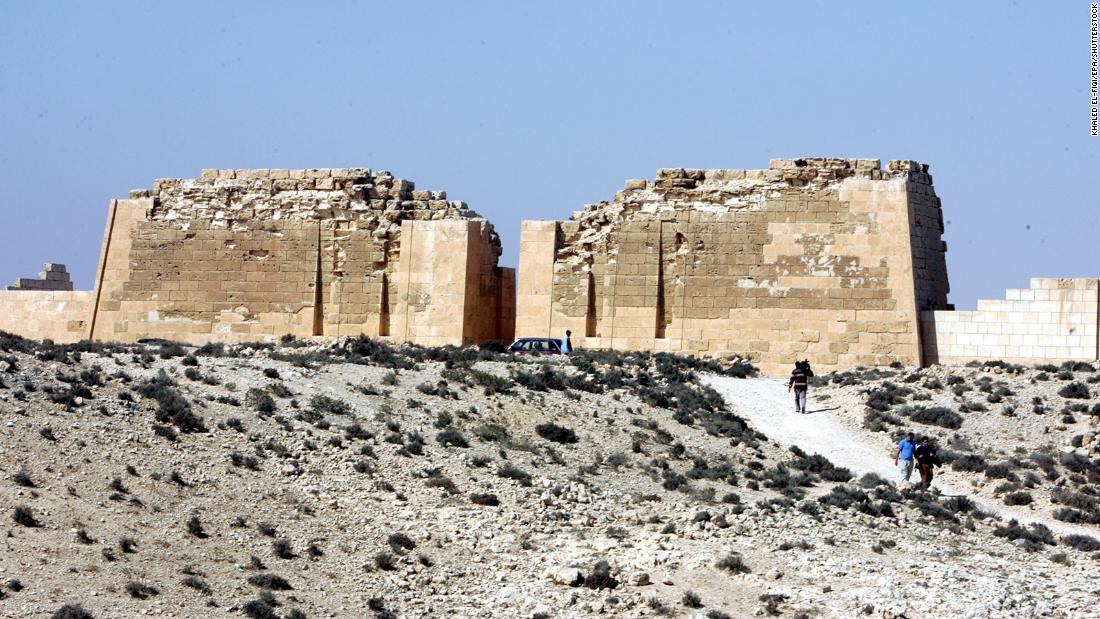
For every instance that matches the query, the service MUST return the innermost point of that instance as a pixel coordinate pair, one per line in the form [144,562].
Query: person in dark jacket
[800,382]
[927,460]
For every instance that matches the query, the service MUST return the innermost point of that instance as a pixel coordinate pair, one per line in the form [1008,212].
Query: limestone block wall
[58,315]
[820,258]
[254,254]
[1053,320]
[53,277]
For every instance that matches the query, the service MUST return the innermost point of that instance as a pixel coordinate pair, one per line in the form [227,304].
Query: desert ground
[358,479]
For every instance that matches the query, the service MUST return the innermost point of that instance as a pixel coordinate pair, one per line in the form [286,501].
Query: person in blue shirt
[905,454]
[567,343]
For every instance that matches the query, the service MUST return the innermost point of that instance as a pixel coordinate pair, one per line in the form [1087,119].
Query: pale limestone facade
[826,259]
[1052,321]
[245,255]
[58,315]
[839,261]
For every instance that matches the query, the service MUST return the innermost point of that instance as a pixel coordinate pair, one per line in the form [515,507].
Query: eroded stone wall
[827,259]
[253,254]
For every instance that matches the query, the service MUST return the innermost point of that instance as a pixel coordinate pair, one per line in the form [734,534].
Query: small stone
[570,576]
[640,579]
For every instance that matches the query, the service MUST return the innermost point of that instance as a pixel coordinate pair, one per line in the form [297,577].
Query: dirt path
[766,405]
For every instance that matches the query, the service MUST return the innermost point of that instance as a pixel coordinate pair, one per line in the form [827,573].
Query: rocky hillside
[1023,437]
[361,480]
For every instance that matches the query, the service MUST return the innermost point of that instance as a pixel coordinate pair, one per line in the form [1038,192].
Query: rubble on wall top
[725,190]
[238,199]
[54,276]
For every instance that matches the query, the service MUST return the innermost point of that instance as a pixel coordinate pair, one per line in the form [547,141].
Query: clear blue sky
[530,111]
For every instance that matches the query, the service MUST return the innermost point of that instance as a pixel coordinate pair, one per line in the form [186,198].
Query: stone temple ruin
[827,259]
[244,255]
[837,260]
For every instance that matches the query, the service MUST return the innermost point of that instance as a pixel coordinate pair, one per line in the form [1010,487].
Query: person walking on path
[905,454]
[567,343]
[927,460]
[800,382]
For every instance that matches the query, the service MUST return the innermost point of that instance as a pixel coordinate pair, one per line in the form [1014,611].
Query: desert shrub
[820,465]
[83,537]
[733,562]
[413,445]
[385,561]
[47,433]
[1017,498]
[1073,516]
[1076,462]
[71,611]
[23,478]
[1075,391]
[260,401]
[283,549]
[673,480]
[259,609]
[127,544]
[491,383]
[600,577]
[872,480]
[194,527]
[451,437]
[272,582]
[509,471]
[171,406]
[484,498]
[324,405]
[885,397]
[165,432]
[1001,470]
[968,462]
[691,599]
[271,373]
[140,590]
[196,583]
[440,481]
[1033,537]
[24,516]
[937,416]
[1084,543]
[280,390]
[1071,498]
[877,421]
[556,433]
[248,462]
[400,543]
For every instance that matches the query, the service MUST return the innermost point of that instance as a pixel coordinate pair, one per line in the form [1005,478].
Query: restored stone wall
[253,254]
[53,277]
[1054,320]
[55,315]
[819,258]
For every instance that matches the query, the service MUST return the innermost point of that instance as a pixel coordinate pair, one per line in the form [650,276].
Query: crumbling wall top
[239,199]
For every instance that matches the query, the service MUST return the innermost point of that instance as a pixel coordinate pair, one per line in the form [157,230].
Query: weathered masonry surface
[840,261]
[53,277]
[827,259]
[240,255]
